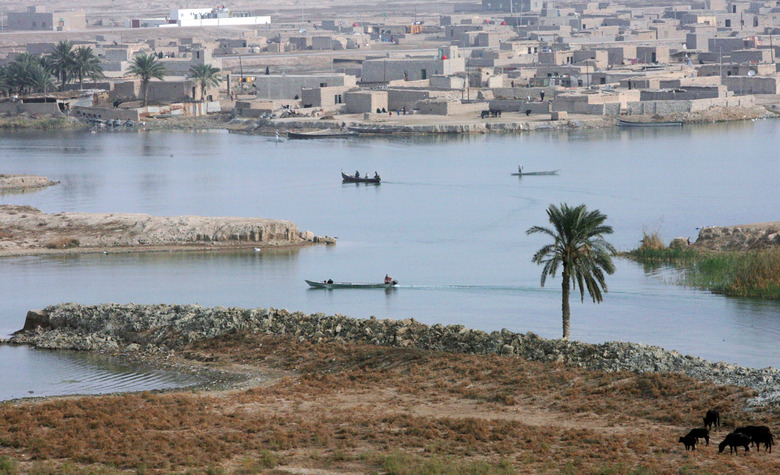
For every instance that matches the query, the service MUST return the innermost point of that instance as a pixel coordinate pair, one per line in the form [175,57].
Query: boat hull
[319,135]
[349,285]
[670,123]
[352,179]
[549,172]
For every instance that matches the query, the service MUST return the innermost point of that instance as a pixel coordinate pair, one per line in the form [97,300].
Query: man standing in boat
[388,279]
[520,169]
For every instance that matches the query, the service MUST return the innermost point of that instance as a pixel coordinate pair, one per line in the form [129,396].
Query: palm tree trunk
[146,91]
[565,284]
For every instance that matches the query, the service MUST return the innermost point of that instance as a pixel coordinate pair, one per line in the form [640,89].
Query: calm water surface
[448,221]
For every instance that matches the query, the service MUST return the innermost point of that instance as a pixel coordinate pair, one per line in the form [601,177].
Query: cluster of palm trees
[29,73]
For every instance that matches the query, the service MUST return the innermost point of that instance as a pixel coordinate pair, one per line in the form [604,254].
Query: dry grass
[361,408]
[62,243]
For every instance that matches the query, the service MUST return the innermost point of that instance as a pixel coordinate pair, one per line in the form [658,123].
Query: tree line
[29,73]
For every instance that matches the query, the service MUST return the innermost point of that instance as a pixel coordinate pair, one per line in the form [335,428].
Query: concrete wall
[397,99]
[412,69]
[37,108]
[327,97]
[46,21]
[172,91]
[678,107]
[445,107]
[508,105]
[688,93]
[290,86]
[365,101]
[752,85]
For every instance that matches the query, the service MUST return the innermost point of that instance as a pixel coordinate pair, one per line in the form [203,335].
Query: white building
[219,16]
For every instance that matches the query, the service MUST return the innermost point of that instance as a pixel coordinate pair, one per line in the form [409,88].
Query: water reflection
[40,373]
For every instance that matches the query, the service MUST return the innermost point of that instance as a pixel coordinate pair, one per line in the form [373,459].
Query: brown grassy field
[354,408]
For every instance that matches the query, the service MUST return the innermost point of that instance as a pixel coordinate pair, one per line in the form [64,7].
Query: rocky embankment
[27,230]
[739,238]
[164,329]
[23,182]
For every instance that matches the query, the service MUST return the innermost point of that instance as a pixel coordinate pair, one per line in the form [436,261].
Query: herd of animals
[741,436]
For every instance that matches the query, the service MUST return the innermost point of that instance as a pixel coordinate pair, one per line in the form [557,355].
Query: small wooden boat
[350,285]
[635,123]
[547,172]
[356,179]
[327,134]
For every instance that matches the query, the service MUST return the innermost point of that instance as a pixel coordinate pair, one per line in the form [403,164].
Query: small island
[17,183]
[28,230]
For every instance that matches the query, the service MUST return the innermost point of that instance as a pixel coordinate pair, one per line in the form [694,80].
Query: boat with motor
[329,284]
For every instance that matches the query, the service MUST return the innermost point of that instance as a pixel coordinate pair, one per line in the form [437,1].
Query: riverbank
[412,124]
[47,123]
[30,231]
[335,394]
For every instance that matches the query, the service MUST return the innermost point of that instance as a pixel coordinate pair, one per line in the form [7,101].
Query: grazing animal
[485,114]
[700,434]
[712,419]
[690,442]
[765,438]
[758,435]
[734,441]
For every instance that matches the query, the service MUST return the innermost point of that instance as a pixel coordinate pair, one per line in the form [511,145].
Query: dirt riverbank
[346,407]
[25,230]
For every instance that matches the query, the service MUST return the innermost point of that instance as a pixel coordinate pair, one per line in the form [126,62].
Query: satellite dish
[751,73]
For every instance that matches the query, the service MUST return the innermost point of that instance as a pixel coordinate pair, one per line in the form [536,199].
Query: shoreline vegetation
[751,273]
[343,395]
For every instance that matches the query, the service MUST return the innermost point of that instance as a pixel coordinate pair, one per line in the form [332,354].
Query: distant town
[498,64]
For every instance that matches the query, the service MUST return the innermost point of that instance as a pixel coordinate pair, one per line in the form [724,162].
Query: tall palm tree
[205,75]
[86,63]
[145,67]
[62,61]
[579,247]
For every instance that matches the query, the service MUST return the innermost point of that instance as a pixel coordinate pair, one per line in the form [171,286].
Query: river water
[448,221]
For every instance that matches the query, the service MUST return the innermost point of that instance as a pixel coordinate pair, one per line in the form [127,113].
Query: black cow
[765,438]
[485,114]
[690,442]
[734,441]
[712,419]
[700,434]
[758,435]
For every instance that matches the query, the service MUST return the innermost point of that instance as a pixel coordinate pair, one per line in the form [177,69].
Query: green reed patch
[734,273]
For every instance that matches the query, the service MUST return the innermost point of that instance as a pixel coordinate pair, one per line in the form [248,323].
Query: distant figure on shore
[541,96]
